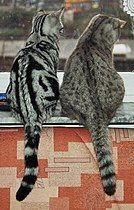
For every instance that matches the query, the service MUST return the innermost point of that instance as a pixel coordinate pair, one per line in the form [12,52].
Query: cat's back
[73,71]
[77,61]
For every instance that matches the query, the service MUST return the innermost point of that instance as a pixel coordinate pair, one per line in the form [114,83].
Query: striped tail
[104,157]
[31,162]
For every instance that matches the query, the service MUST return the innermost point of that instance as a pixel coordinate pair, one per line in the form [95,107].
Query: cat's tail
[31,161]
[104,158]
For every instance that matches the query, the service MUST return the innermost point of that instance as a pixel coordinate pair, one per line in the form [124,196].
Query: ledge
[124,119]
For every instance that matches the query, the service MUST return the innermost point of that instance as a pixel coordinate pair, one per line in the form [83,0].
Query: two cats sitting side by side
[91,91]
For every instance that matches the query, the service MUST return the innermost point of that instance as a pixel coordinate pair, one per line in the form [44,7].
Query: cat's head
[45,24]
[105,29]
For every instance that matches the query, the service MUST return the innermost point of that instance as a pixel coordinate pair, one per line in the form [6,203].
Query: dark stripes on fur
[31,162]
[30,88]
[44,86]
[15,69]
[54,86]
[104,158]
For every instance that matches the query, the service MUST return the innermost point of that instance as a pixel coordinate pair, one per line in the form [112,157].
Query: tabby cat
[34,90]
[92,90]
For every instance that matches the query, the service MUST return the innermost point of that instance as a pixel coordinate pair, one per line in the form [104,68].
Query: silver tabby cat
[34,90]
[92,90]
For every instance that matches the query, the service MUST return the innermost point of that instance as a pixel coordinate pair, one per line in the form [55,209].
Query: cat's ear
[60,13]
[40,12]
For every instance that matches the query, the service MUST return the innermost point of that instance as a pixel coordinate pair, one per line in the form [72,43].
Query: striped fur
[92,90]
[33,91]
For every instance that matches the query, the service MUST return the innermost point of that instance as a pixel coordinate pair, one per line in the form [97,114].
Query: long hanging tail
[31,162]
[104,157]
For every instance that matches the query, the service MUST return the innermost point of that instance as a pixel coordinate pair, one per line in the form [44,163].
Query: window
[15,25]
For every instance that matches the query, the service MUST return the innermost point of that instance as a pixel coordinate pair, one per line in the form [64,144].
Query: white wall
[128,78]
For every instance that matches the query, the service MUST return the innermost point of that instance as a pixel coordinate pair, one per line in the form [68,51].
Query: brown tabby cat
[92,90]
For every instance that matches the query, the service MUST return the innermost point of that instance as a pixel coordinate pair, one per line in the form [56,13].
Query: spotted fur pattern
[92,90]
[34,90]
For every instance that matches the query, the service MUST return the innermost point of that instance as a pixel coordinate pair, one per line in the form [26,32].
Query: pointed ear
[40,12]
[60,13]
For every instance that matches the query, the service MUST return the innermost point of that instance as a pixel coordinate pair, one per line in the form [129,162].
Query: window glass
[15,25]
